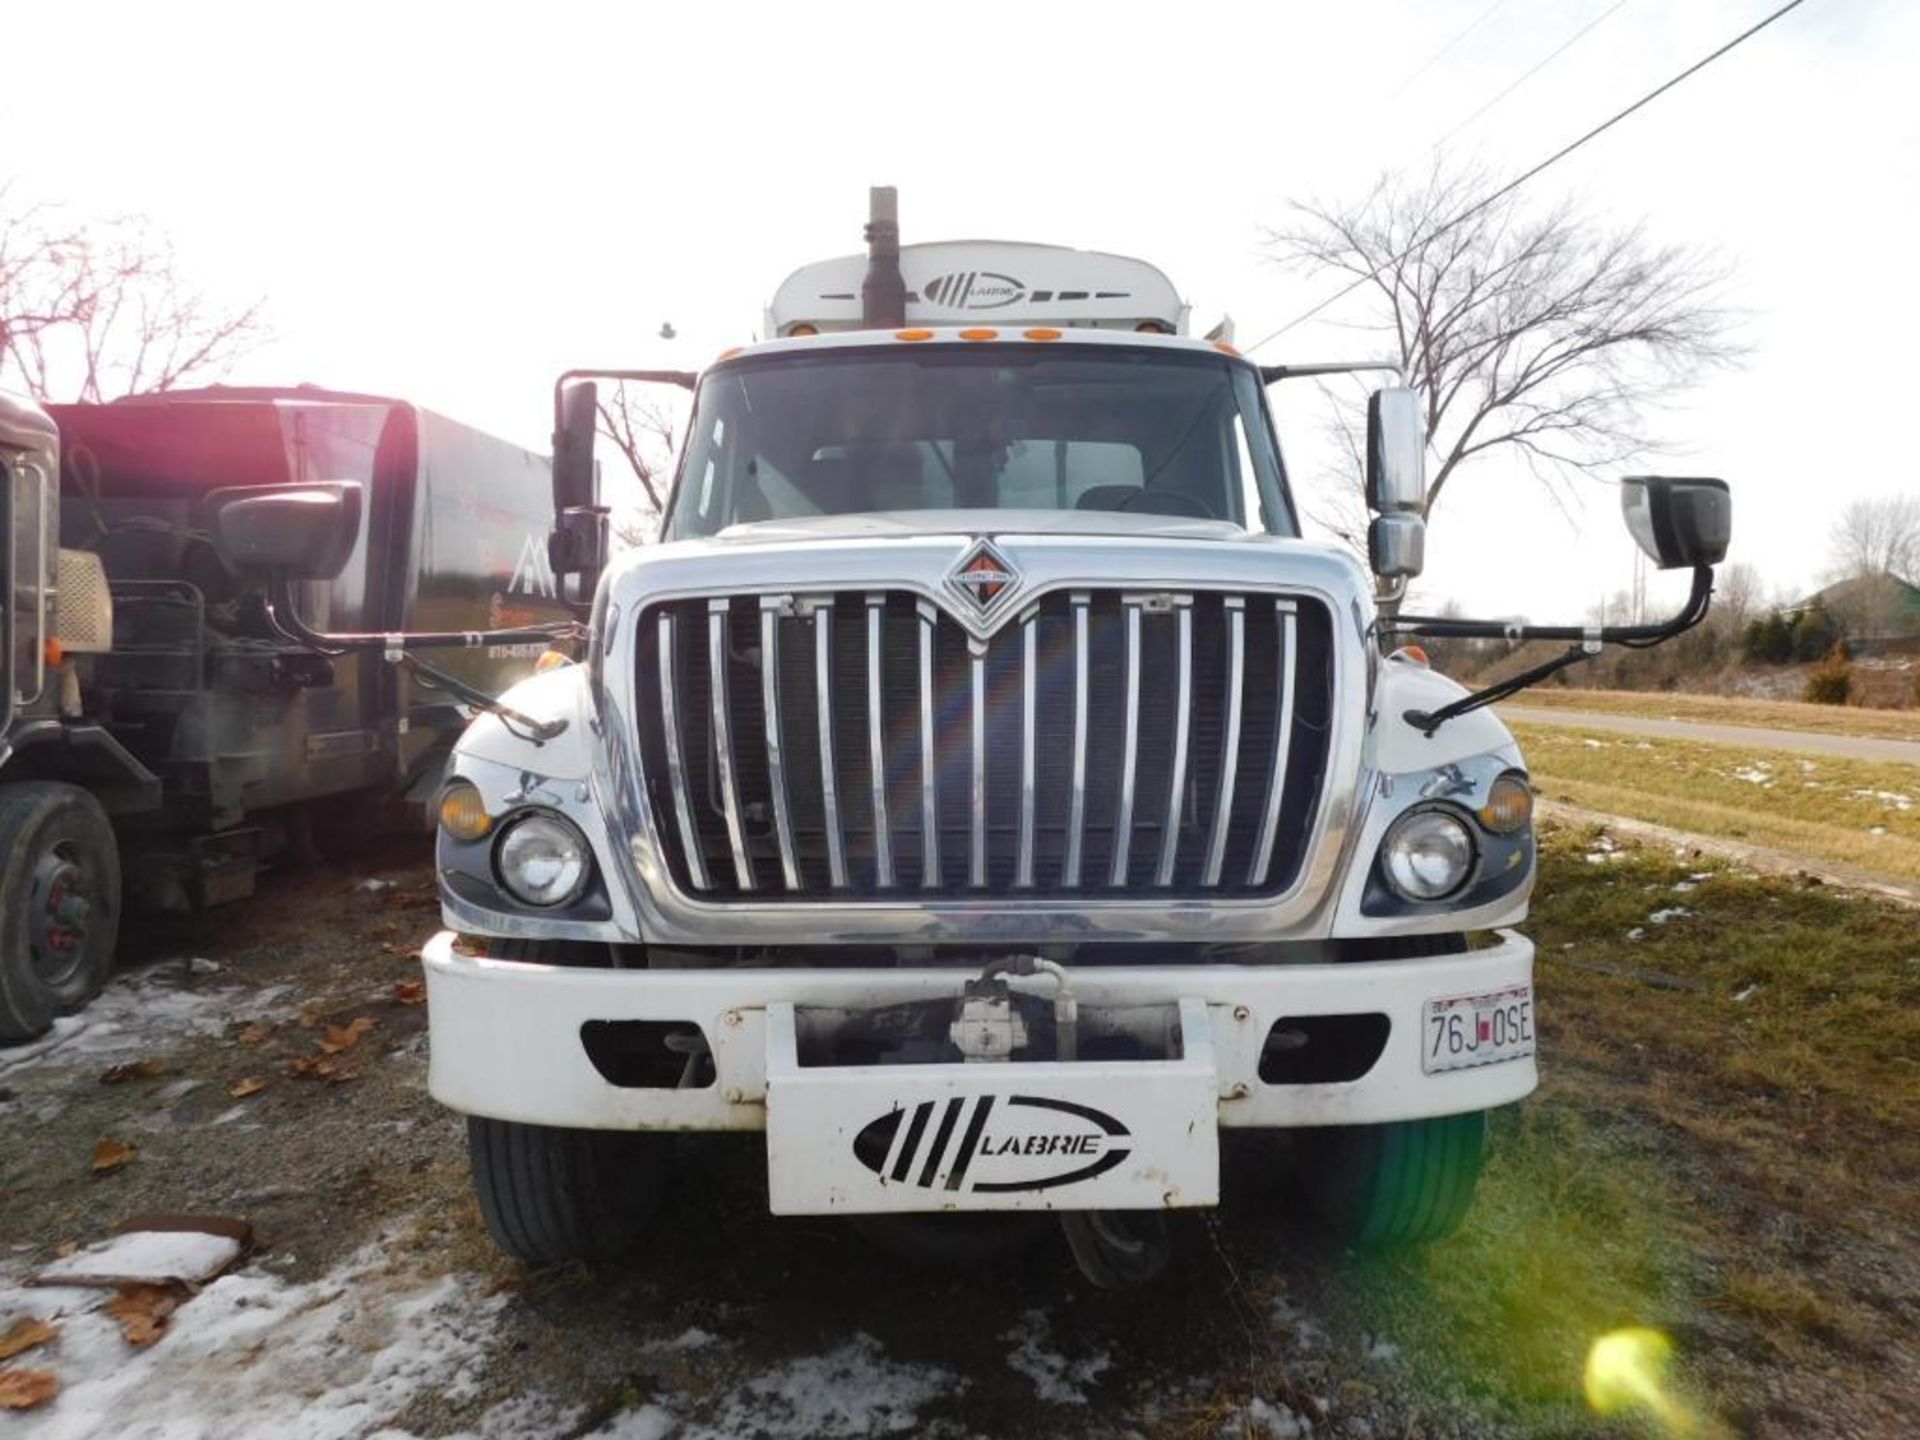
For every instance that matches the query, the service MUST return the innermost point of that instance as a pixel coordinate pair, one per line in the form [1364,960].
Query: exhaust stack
[883,294]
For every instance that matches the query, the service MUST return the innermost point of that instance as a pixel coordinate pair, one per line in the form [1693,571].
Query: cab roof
[973,336]
[996,282]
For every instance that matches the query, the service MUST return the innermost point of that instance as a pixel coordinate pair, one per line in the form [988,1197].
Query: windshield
[982,428]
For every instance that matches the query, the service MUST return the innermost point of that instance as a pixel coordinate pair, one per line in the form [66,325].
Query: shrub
[1831,681]
[1814,634]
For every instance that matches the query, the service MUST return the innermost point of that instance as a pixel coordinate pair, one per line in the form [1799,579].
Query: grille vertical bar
[1177,780]
[1282,747]
[930,877]
[823,698]
[877,740]
[1230,745]
[1081,603]
[977,831]
[717,613]
[1029,698]
[1129,751]
[770,611]
[677,756]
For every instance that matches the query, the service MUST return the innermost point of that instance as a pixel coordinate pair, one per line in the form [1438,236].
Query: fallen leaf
[255,1033]
[344,1037]
[410,992]
[112,1154]
[24,1335]
[142,1311]
[251,1085]
[323,1067]
[66,1248]
[148,1069]
[26,1389]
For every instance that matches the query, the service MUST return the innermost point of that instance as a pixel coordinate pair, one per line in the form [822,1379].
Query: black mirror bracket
[1588,641]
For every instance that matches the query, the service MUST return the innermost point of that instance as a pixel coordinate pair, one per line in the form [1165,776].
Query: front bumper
[507,1043]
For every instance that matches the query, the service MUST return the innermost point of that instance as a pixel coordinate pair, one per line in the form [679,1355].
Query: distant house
[1876,611]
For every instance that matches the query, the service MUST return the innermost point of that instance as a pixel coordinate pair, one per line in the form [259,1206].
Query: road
[1844,747]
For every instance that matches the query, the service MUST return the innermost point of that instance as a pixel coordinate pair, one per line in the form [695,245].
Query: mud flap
[1045,1135]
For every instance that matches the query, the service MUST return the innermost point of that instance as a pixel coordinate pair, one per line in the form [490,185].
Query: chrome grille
[863,744]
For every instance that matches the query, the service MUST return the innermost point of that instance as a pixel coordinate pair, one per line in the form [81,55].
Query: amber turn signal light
[1509,804]
[463,814]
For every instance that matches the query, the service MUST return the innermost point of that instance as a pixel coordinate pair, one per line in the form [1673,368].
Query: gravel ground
[374,1303]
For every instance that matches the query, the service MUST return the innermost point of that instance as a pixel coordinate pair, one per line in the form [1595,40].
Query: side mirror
[299,532]
[575,419]
[1396,452]
[1397,546]
[1680,523]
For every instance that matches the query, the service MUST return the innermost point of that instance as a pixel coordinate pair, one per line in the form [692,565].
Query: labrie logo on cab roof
[992,1144]
[973,290]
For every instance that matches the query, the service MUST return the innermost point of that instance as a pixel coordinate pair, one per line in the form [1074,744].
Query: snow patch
[150,1256]
[253,1355]
[1275,1422]
[854,1390]
[1668,915]
[144,1013]
[1056,1379]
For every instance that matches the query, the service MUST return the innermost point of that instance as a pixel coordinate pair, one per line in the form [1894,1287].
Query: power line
[1521,179]
[1441,53]
[1540,65]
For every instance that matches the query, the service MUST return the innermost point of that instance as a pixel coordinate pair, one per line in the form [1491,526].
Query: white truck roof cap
[953,282]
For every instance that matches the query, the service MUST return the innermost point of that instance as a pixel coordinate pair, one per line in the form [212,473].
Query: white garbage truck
[987,790]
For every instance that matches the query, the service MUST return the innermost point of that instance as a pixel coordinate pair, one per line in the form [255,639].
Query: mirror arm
[685,379]
[285,622]
[1274,374]
[1589,639]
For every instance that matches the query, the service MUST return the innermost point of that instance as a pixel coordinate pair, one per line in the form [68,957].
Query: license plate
[1467,1030]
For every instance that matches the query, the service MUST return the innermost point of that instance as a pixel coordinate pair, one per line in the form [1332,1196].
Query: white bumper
[507,1043]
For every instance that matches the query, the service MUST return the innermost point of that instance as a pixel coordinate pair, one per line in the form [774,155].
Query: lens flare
[1627,1371]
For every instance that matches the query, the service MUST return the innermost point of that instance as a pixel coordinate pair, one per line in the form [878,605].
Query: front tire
[59,904]
[551,1195]
[1403,1183]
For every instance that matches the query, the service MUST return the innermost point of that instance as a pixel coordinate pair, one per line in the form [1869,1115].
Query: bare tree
[1878,537]
[1738,591]
[1543,332]
[95,311]
[642,429]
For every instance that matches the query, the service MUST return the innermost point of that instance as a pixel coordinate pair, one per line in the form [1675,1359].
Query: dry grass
[1731,710]
[1854,812]
[1726,1146]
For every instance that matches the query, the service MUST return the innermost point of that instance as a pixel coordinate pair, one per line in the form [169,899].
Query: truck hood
[893,524]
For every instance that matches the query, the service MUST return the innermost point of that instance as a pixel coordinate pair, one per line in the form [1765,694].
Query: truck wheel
[59,903]
[550,1195]
[1395,1184]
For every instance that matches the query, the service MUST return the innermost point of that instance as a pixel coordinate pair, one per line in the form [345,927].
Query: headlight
[543,860]
[1427,855]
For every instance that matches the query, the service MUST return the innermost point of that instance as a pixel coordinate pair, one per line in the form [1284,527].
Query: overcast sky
[453,203]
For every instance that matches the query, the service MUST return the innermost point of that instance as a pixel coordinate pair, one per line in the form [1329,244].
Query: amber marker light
[979,334]
[554,659]
[729,353]
[913,334]
[1041,334]
[800,332]
[1509,804]
[1224,348]
[463,814]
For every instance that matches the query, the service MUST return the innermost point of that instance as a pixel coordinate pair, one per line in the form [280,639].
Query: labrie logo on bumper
[992,1144]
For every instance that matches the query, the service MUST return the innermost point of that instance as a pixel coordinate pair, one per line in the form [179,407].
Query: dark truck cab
[162,736]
